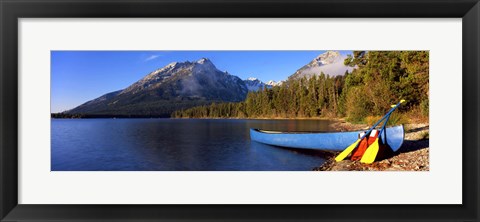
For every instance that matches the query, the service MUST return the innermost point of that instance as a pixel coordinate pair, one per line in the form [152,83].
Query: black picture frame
[11,11]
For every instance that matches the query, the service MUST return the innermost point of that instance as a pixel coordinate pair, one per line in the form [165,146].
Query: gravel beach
[412,156]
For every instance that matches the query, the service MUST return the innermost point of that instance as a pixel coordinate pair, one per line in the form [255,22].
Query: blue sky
[79,76]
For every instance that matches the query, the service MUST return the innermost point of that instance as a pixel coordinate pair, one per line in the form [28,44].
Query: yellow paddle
[354,145]
[347,151]
[371,153]
[372,150]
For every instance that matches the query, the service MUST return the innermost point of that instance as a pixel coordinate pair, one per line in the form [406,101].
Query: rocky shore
[412,156]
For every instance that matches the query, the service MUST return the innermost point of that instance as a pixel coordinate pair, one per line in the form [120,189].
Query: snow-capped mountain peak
[329,62]
[274,83]
[254,84]
[204,64]
[326,58]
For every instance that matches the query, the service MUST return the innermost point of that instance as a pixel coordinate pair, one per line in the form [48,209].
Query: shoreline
[412,156]
[156,117]
[273,118]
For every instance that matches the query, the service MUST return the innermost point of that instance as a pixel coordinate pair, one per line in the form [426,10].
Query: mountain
[330,62]
[254,84]
[273,83]
[178,85]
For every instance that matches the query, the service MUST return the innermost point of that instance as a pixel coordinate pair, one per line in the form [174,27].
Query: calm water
[175,144]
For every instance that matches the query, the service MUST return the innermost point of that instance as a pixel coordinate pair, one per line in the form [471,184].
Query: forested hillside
[380,78]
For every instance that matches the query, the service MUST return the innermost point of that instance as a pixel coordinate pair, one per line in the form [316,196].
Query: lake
[176,145]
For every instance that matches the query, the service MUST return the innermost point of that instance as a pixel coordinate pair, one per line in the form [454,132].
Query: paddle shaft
[379,121]
[383,127]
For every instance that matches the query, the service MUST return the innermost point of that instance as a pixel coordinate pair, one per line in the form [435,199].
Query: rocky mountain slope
[178,85]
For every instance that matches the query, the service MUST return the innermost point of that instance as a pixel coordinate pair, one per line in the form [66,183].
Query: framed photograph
[225,110]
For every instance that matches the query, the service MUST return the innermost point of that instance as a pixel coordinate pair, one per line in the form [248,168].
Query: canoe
[330,141]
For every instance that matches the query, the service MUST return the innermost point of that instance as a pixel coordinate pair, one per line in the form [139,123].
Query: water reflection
[175,144]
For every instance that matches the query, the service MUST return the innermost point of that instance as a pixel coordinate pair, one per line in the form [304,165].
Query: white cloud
[152,57]
[334,69]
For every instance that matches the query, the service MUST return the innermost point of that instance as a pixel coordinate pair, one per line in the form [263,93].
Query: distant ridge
[254,84]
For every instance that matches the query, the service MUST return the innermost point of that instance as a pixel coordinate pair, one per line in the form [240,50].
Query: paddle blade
[347,151]
[371,153]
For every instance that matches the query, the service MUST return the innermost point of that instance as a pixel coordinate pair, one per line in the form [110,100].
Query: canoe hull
[333,141]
